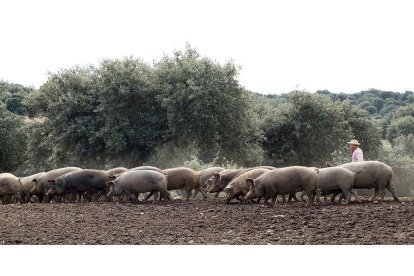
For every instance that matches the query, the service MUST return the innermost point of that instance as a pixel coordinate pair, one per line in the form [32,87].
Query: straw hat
[354,142]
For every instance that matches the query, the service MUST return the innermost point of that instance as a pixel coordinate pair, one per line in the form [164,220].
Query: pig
[116,171]
[238,187]
[219,181]
[184,178]
[80,182]
[42,185]
[10,185]
[207,174]
[372,174]
[147,168]
[288,180]
[28,184]
[139,181]
[335,180]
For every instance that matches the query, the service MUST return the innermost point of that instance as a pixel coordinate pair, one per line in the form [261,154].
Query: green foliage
[371,109]
[363,129]
[400,126]
[12,140]
[69,103]
[306,132]
[40,148]
[134,121]
[203,101]
[401,123]
[401,158]
[12,95]
[378,103]
[310,129]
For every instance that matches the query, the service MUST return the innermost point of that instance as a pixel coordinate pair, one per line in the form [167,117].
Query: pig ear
[216,175]
[52,182]
[109,184]
[34,180]
[250,183]
[112,177]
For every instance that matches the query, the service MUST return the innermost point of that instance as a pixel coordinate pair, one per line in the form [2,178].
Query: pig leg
[149,195]
[318,195]
[156,195]
[302,196]
[311,197]
[390,188]
[73,197]
[347,195]
[166,194]
[354,192]
[381,193]
[45,198]
[266,200]
[334,196]
[128,196]
[293,196]
[189,192]
[274,198]
[28,196]
[376,192]
[199,189]
[17,198]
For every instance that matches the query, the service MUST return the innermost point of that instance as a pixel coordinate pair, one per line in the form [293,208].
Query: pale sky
[342,46]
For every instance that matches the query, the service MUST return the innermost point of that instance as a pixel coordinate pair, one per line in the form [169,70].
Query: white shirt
[357,155]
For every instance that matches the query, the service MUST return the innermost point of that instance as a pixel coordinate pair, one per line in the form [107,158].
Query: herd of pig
[75,184]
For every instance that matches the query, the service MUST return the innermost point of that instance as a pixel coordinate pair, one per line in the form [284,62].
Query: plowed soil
[208,221]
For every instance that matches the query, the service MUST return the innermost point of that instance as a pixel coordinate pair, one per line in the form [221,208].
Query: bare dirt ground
[208,221]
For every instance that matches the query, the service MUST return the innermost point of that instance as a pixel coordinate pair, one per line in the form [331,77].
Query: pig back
[53,174]
[88,179]
[115,171]
[369,174]
[335,177]
[179,178]
[238,184]
[147,168]
[142,181]
[9,183]
[27,182]
[206,174]
[289,180]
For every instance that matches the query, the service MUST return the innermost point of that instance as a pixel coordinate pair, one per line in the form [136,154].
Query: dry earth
[208,221]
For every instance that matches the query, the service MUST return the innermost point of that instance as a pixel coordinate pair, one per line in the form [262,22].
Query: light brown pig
[140,181]
[10,185]
[42,184]
[372,174]
[28,184]
[238,186]
[287,180]
[184,178]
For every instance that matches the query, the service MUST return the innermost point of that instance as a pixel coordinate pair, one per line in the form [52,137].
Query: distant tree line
[127,112]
